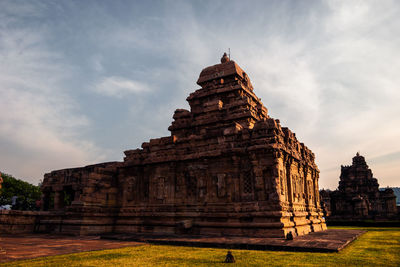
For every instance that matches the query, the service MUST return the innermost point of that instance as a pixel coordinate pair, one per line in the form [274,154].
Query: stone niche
[227,169]
[358,196]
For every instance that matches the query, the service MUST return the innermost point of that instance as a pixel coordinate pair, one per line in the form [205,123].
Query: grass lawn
[377,247]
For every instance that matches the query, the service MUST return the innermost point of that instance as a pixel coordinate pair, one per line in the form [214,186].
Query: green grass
[377,247]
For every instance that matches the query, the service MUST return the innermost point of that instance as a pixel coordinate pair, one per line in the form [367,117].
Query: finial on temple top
[224,58]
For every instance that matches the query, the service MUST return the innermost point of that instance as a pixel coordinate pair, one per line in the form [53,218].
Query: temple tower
[227,169]
[359,197]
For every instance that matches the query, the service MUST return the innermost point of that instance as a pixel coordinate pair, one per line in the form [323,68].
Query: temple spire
[225,58]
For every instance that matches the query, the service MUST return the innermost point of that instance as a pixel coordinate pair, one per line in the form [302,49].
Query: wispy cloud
[119,86]
[40,125]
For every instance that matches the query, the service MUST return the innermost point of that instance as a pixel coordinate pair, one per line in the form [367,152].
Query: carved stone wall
[227,169]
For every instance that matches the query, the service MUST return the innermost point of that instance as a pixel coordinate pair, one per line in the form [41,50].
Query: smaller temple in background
[358,196]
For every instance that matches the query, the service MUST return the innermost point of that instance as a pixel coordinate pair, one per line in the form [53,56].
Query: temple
[358,196]
[227,169]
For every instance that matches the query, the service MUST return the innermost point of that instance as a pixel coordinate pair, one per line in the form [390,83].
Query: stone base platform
[18,247]
[332,240]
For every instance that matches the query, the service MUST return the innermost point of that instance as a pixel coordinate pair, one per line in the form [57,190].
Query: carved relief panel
[221,185]
[160,191]
[283,185]
[268,184]
[202,185]
[191,186]
[130,189]
[310,190]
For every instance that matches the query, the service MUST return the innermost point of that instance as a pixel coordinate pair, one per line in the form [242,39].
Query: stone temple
[358,196]
[227,169]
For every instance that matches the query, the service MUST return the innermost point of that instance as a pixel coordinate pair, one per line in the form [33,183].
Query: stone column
[289,181]
[57,200]
[316,191]
[305,187]
[77,196]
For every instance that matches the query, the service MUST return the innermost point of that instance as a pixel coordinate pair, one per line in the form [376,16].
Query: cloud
[355,69]
[327,72]
[119,87]
[40,124]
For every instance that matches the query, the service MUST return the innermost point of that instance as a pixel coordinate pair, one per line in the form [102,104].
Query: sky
[83,81]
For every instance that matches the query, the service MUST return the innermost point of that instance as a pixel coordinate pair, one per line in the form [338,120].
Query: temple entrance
[48,200]
[68,195]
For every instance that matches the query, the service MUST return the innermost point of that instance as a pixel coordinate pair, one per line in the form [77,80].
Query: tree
[26,193]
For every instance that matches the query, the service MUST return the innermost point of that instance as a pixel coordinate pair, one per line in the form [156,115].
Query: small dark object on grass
[229,258]
[289,236]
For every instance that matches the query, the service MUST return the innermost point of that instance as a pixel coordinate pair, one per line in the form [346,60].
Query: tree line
[25,194]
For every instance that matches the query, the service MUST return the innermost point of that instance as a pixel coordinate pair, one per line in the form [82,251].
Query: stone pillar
[289,181]
[305,187]
[77,195]
[57,200]
[316,191]
[277,177]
